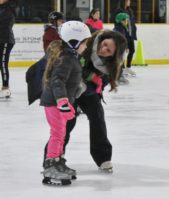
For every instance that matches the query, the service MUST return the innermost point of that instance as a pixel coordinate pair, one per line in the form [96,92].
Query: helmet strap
[74,47]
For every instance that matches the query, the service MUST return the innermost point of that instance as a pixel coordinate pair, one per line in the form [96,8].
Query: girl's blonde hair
[53,52]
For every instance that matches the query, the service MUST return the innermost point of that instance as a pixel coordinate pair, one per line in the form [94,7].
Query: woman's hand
[98,81]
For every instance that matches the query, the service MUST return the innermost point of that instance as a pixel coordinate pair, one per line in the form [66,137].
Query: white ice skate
[129,71]
[5,93]
[123,80]
[107,167]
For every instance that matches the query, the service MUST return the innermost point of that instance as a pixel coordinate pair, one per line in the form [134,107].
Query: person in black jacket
[124,7]
[121,26]
[7,41]
[103,58]
[62,79]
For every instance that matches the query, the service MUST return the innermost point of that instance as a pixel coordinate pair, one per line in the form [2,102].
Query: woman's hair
[122,4]
[53,52]
[112,62]
[92,12]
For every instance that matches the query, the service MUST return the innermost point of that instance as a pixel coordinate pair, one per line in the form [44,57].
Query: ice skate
[129,71]
[5,93]
[123,80]
[55,173]
[69,171]
[107,167]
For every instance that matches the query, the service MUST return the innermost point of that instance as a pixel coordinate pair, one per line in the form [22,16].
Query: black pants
[100,147]
[131,48]
[5,50]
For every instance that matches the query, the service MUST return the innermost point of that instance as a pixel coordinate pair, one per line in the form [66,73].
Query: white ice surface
[137,119]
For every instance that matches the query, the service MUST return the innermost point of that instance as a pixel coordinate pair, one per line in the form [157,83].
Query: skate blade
[108,170]
[74,177]
[124,83]
[54,182]
[132,75]
[5,97]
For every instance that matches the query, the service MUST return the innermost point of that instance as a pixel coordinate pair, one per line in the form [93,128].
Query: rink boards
[29,46]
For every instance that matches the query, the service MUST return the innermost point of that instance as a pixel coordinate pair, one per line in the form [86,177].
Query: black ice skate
[106,167]
[68,170]
[55,173]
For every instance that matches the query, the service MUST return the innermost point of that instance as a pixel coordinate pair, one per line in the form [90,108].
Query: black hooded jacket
[132,25]
[7,20]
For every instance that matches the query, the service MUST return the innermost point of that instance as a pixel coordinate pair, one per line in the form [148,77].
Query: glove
[66,108]
[98,81]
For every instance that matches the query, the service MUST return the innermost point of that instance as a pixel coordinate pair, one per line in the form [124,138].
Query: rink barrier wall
[29,46]
[21,63]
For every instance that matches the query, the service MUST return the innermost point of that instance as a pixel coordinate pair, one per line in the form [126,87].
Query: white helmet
[74,32]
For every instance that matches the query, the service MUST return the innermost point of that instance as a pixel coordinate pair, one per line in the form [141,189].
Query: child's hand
[66,108]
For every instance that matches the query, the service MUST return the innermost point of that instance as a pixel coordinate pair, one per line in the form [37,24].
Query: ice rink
[138,127]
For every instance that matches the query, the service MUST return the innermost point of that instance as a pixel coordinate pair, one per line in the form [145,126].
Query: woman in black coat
[7,41]
[103,58]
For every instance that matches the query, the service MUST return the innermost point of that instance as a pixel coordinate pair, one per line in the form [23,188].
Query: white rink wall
[29,47]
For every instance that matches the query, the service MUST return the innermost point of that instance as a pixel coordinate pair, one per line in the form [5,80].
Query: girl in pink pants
[62,79]
[57,125]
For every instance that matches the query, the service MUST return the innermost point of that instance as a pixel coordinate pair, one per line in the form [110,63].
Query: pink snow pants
[57,125]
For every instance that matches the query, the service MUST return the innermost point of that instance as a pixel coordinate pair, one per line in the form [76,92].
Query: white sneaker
[5,93]
[129,72]
[107,167]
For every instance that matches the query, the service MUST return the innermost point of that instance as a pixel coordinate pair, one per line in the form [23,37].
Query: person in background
[55,19]
[7,41]
[94,21]
[62,80]
[125,7]
[121,26]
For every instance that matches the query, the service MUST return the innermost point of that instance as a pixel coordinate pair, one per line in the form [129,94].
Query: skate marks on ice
[123,176]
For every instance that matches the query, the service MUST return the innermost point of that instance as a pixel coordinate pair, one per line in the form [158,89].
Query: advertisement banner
[29,46]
